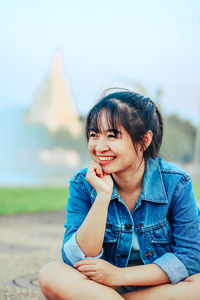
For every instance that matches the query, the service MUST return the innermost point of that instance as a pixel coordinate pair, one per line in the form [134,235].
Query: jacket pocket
[160,237]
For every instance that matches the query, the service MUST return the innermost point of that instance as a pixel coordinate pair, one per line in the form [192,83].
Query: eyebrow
[116,131]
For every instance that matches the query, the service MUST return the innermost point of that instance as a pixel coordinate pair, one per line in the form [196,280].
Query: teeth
[106,158]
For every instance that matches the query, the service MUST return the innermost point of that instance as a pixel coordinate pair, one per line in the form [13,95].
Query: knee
[47,282]
[58,280]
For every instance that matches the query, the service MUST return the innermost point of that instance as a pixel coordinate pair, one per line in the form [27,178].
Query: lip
[105,162]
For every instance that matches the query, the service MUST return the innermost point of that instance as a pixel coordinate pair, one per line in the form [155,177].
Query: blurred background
[57,56]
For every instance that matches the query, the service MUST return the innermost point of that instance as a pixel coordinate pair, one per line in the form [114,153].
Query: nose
[101,145]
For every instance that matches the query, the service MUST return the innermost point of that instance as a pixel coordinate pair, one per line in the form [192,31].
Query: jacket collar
[153,189]
[153,186]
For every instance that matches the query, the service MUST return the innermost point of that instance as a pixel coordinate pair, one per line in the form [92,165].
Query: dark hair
[136,113]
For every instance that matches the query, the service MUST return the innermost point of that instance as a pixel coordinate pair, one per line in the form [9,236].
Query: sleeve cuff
[172,266]
[73,252]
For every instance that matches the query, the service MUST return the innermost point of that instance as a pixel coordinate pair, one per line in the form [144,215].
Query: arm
[91,233]
[103,272]
[85,223]
[149,274]
[184,260]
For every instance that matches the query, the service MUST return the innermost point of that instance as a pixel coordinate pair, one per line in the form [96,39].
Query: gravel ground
[27,242]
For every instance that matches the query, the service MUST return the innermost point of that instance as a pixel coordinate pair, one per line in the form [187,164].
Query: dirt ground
[27,242]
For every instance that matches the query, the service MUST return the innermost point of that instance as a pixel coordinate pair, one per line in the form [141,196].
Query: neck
[130,180]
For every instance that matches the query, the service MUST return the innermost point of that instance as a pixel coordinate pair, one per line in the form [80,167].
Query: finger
[89,273]
[94,278]
[87,268]
[97,168]
[94,169]
[99,171]
[94,164]
[106,174]
[85,262]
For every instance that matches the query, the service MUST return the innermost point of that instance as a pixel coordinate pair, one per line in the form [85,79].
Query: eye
[112,136]
[114,133]
[92,134]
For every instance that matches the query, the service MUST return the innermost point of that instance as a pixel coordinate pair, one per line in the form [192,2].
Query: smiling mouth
[105,158]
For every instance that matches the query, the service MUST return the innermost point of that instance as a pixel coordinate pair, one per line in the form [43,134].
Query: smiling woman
[113,149]
[132,227]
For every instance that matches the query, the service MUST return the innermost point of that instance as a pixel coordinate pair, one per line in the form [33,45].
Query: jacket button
[128,226]
[124,255]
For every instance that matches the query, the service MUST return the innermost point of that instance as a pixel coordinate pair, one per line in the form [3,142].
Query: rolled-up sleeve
[172,266]
[73,252]
[185,257]
[78,206]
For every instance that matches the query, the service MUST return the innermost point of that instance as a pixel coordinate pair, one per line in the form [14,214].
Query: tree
[179,139]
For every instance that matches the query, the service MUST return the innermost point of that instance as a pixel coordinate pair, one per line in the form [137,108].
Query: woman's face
[115,154]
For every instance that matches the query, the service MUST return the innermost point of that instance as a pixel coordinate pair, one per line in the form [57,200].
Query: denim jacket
[166,220]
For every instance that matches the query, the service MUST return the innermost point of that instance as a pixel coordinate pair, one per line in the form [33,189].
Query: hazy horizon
[103,44]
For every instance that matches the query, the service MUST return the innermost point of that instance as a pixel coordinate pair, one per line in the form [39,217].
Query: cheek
[91,147]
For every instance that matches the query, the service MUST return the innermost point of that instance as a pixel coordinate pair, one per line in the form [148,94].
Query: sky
[104,43]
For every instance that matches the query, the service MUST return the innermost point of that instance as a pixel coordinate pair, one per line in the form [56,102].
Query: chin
[107,170]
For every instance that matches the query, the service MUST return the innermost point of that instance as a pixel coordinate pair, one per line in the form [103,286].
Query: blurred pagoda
[53,105]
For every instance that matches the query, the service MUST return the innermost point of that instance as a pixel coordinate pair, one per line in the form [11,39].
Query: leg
[59,281]
[189,289]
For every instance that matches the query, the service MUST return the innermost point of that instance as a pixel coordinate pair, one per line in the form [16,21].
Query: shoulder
[78,181]
[174,178]
[79,176]
[163,180]
[169,169]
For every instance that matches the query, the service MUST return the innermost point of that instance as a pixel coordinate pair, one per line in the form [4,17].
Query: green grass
[196,187]
[26,200]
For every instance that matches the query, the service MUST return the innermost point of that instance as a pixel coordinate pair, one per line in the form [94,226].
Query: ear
[147,138]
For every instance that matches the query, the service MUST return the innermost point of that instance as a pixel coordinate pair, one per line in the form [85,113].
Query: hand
[100,181]
[99,270]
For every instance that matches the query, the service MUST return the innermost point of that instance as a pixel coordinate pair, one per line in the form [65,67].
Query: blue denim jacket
[166,219]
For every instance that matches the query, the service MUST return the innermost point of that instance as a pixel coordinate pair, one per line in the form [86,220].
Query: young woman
[133,226]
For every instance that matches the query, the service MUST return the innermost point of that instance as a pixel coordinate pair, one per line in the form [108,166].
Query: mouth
[104,160]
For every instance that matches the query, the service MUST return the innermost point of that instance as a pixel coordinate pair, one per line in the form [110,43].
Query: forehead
[105,120]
